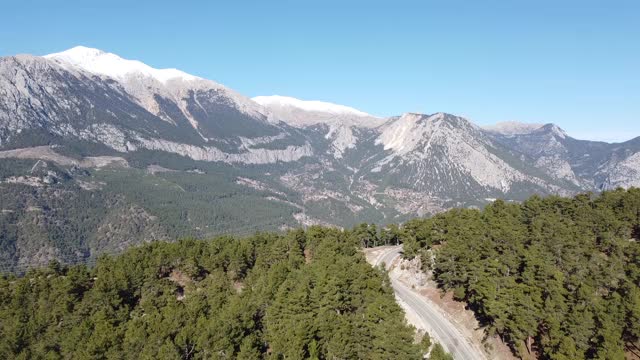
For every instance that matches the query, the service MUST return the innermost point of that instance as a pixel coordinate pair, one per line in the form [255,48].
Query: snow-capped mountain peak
[145,83]
[308,105]
[103,63]
[338,122]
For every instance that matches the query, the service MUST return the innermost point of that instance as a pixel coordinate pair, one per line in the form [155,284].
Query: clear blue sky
[574,63]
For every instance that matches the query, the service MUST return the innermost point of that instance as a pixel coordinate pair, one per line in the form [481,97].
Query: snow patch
[103,63]
[308,105]
[339,120]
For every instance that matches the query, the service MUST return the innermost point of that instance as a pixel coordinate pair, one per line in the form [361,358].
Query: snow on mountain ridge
[308,105]
[103,63]
[340,121]
[145,83]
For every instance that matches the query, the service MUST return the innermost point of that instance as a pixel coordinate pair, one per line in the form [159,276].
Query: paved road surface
[444,331]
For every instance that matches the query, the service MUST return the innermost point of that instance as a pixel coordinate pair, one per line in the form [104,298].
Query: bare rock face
[458,147]
[623,173]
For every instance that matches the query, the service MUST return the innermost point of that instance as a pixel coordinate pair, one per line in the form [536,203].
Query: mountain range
[98,153]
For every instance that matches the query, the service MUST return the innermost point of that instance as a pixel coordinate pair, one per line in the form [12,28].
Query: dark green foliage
[555,275]
[300,295]
[425,342]
[438,353]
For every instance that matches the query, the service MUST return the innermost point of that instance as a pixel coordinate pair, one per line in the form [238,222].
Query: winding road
[443,330]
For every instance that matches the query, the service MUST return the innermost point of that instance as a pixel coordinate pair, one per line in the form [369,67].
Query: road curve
[444,331]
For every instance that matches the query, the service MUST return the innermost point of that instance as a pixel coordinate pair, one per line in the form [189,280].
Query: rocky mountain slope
[188,156]
[589,165]
[88,96]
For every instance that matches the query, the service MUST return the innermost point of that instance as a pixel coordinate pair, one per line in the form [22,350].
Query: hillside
[302,295]
[555,278]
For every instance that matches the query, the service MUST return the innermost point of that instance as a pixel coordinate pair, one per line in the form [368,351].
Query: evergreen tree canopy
[300,295]
[556,275]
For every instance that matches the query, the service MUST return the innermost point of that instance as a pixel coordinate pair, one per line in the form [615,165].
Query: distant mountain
[86,95]
[591,165]
[301,112]
[448,155]
[511,128]
[178,155]
[336,123]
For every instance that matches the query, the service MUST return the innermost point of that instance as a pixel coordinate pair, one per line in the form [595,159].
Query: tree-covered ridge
[554,276]
[300,295]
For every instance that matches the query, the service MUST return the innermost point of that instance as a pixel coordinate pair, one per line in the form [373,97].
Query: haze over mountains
[159,151]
